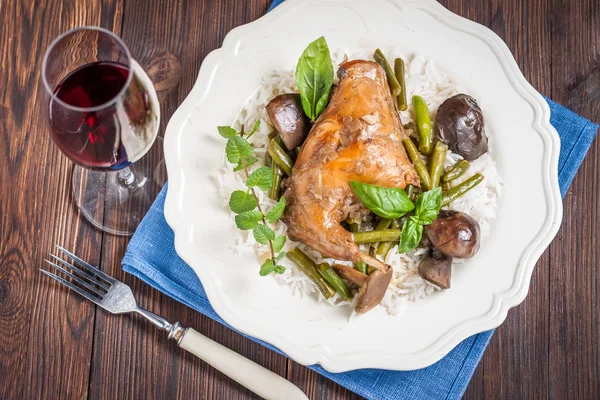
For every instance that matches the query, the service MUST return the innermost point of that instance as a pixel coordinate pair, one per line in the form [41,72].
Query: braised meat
[358,137]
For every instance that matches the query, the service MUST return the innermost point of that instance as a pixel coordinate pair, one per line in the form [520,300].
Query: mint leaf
[277,210]
[390,203]
[226,131]
[278,243]
[237,147]
[281,255]
[240,202]
[428,205]
[254,128]
[412,233]
[238,167]
[262,177]
[244,162]
[267,267]
[263,234]
[248,220]
[279,269]
[314,77]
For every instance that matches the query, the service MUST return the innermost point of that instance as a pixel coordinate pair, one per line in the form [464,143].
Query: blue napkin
[151,257]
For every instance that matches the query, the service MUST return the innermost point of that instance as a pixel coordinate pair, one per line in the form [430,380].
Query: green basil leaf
[226,131]
[248,220]
[267,267]
[314,77]
[262,234]
[428,206]
[261,177]
[278,243]
[241,201]
[237,147]
[277,210]
[390,203]
[412,233]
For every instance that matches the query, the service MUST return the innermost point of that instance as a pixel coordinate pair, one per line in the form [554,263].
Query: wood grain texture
[46,333]
[56,345]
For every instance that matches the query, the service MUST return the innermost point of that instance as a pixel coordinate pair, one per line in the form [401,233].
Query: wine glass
[104,115]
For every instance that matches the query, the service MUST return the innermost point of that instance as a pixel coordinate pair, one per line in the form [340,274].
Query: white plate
[483,290]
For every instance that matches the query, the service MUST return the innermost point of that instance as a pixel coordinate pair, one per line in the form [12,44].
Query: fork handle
[258,379]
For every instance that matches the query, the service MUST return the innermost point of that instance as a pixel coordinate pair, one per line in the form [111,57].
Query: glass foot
[116,202]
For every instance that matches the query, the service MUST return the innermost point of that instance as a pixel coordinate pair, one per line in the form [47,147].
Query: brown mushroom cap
[372,292]
[459,124]
[436,268]
[455,234]
[288,117]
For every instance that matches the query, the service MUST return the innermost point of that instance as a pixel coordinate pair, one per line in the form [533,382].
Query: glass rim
[106,104]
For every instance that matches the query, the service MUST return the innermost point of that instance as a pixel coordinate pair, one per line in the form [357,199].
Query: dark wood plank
[574,282]
[169,39]
[46,331]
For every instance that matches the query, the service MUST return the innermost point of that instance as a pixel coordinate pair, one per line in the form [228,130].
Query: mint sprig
[250,215]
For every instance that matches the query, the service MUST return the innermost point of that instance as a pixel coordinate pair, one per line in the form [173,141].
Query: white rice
[423,78]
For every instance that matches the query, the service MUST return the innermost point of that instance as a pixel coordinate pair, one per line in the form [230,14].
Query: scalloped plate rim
[502,301]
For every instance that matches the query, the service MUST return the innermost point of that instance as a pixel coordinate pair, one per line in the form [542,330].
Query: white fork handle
[258,379]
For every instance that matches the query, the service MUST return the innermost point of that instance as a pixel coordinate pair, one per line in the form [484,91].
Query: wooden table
[55,345]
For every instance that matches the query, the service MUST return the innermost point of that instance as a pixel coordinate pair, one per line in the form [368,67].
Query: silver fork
[117,298]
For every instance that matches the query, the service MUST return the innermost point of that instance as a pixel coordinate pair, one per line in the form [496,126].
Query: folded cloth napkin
[151,257]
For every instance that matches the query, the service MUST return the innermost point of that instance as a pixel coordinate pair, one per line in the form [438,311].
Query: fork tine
[73,287]
[77,279]
[85,274]
[87,266]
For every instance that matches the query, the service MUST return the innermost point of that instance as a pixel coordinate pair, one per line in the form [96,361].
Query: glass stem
[126,178]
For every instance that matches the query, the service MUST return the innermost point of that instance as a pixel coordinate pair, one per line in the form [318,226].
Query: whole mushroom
[455,234]
[459,124]
[286,114]
[436,268]
[373,290]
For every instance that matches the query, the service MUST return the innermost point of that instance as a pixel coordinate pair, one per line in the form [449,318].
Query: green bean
[423,124]
[410,190]
[334,280]
[437,163]
[456,171]
[391,78]
[361,265]
[280,157]
[385,247]
[460,189]
[415,157]
[383,224]
[386,235]
[275,190]
[446,186]
[309,268]
[399,72]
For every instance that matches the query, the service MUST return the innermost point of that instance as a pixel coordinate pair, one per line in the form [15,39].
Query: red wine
[94,137]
